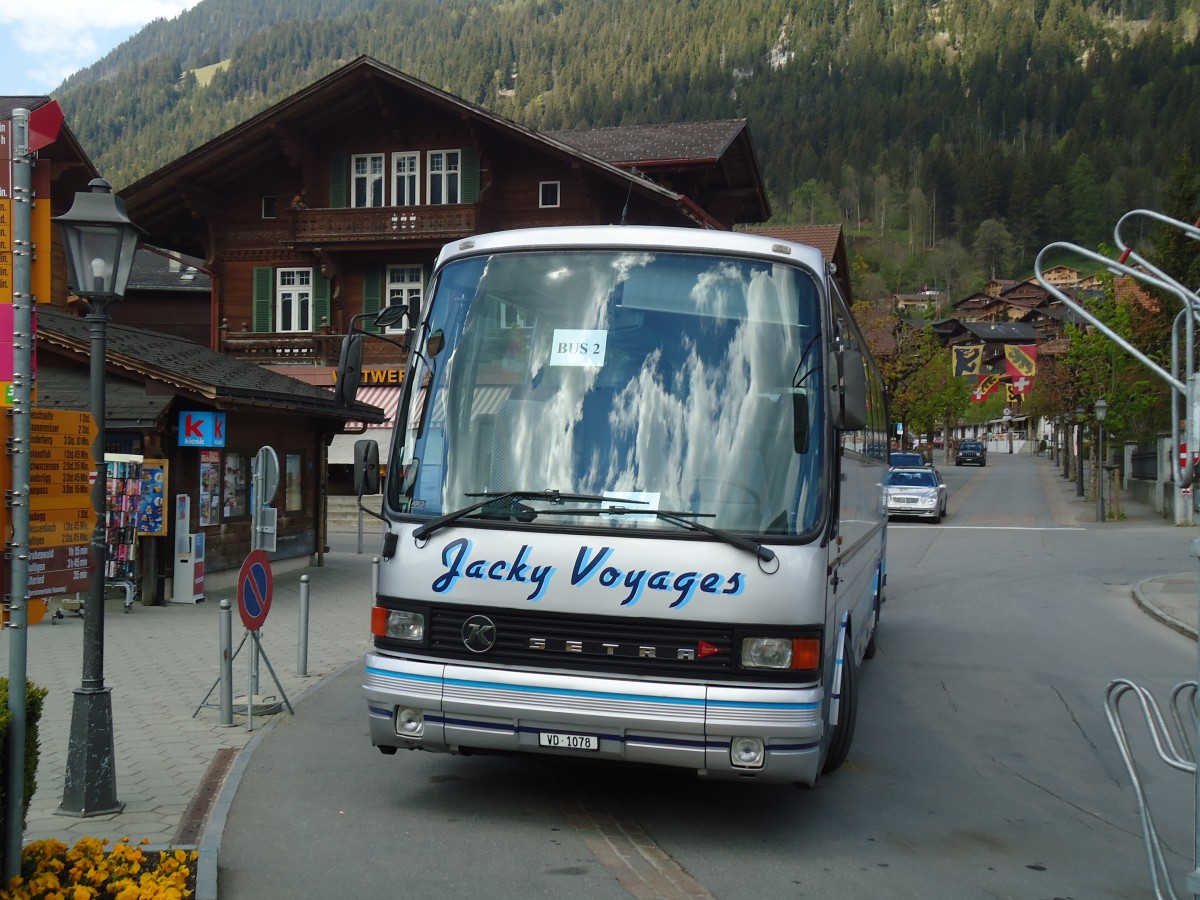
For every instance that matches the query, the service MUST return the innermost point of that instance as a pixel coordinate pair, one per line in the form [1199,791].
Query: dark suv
[972,452]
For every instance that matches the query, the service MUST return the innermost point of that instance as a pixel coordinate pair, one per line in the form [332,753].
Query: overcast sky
[47,40]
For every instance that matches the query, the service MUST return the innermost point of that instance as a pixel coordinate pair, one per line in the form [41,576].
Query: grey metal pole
[18,597]
[302,634]
[253,670]
[90,785]
[1192,879]
[1100,471]
[225,638]
[1079,464]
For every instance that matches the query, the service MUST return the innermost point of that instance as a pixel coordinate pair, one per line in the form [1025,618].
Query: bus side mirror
[848,383]
[366,468]
[349,370]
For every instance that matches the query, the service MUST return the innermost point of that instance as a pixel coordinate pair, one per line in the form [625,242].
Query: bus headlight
[398,624]
[767,653]
[781,653]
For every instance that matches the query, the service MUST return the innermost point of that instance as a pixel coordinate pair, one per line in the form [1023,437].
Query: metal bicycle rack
[1177,749]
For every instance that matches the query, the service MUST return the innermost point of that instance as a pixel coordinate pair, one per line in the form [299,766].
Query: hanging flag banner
[1020,359]
[968,359]
[987,384]
[1021,385]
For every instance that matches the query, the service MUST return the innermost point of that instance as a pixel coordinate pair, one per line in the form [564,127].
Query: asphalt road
[983,765]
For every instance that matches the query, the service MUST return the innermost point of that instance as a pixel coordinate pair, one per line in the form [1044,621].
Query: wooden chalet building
[335,202]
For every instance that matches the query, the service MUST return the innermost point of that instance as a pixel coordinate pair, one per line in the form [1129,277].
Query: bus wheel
[843,734]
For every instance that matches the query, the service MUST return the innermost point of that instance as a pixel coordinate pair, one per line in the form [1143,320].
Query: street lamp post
[100,243]
[1079,414]
[1101,412]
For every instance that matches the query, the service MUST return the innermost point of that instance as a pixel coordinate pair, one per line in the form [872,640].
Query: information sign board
[60,527]
[58,570]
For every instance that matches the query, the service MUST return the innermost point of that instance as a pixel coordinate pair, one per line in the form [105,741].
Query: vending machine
[188,582]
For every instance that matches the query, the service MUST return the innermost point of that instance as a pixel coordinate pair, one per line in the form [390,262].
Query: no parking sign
[255,587]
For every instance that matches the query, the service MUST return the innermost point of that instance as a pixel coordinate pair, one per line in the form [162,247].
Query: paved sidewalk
[160,662]
[1171,598]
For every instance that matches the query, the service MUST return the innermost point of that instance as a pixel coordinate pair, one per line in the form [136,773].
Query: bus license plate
[560,741]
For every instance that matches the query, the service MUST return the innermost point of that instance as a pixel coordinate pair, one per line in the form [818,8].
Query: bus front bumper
[457,709]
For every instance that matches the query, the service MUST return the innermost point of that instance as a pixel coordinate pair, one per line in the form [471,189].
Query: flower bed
[91,871]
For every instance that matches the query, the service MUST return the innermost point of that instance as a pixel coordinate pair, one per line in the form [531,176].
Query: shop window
[293,494]
[235,500]
[210,488]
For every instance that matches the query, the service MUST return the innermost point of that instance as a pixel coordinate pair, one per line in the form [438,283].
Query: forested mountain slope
[1050,116]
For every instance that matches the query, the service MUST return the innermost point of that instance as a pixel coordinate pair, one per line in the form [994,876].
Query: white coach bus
[633,505]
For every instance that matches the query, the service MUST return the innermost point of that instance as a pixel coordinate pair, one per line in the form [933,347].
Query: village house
[333,203]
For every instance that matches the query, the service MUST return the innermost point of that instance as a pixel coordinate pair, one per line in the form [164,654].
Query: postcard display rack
[122,499]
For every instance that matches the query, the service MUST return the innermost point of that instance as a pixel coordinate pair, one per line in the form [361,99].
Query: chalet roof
[193,371]
[127,403]
[647,145]
[8,104]
[1001,332]
[363,88]
[826,238]
[72,170]
[1129,290]
[153,271]
[978,299]
[722,145]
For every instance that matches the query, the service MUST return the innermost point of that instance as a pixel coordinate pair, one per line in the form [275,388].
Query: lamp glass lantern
[100,243]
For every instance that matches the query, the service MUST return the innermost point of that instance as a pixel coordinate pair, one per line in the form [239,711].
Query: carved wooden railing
[331,226]
[307,348]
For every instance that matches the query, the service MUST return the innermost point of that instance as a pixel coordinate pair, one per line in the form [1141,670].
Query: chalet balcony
[331,227]
[319,348]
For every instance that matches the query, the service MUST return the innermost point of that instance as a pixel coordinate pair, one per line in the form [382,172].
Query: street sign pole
[18,501]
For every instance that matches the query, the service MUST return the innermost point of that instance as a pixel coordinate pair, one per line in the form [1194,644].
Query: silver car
[913,491]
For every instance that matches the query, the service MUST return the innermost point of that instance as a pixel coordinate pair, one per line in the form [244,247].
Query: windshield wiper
[506,504]
[675,517]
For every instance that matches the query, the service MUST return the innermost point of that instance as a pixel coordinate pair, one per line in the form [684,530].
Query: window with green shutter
[372,294]
[470,175]
[321,293]
[263,307]
[339,175]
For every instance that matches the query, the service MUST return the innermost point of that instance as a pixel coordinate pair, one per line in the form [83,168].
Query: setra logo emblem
[479,634]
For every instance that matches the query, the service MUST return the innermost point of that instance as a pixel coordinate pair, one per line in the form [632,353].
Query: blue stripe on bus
[565,692]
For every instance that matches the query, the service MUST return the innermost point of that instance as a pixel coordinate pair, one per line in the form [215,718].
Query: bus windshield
[636,381]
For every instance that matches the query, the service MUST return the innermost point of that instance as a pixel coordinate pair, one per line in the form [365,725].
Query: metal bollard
[374,579]
[225,626]
[302,637]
